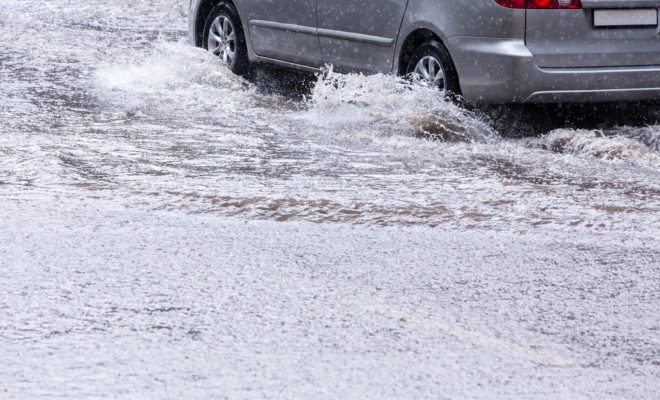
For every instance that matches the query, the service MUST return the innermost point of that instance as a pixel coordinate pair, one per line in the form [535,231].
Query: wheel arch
[412,41]
[203,9]
[415,38]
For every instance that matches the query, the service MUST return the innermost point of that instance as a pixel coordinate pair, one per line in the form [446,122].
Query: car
[486,51]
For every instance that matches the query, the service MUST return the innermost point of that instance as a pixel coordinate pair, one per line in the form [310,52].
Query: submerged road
[168,230]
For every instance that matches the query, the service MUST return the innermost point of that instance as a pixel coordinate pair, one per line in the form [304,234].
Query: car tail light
[540,4]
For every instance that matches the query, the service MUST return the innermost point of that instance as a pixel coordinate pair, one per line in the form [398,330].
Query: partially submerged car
[488,51]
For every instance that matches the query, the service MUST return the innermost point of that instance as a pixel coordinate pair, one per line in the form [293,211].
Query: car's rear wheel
[224,37]
[431,65]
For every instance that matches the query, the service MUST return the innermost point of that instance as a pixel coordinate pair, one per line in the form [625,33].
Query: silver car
[487,51]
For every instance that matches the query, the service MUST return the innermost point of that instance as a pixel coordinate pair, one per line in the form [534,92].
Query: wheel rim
[429,71]
[222,39]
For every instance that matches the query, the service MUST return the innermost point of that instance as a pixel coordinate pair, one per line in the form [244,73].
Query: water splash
[172,73]
[596,144]
[649,135]
[391,105]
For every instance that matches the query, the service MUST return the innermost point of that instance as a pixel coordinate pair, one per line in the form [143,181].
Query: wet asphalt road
[169,230]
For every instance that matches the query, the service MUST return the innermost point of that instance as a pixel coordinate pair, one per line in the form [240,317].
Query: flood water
[169,230]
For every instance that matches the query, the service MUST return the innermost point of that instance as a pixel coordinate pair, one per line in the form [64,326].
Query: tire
[436,51]
[234,38]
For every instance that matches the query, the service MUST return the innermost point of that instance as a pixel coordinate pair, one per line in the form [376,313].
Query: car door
[284,30]
[359,35]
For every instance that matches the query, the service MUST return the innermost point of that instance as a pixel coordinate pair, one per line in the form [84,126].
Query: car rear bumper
[503,71]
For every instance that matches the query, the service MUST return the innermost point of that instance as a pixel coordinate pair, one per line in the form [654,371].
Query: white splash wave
[596,144]
[390,105]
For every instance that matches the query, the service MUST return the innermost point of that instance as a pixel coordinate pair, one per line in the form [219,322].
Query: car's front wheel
[432,65]
[224,37]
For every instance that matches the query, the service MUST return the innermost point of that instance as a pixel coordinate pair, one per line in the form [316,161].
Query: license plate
[644,17]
